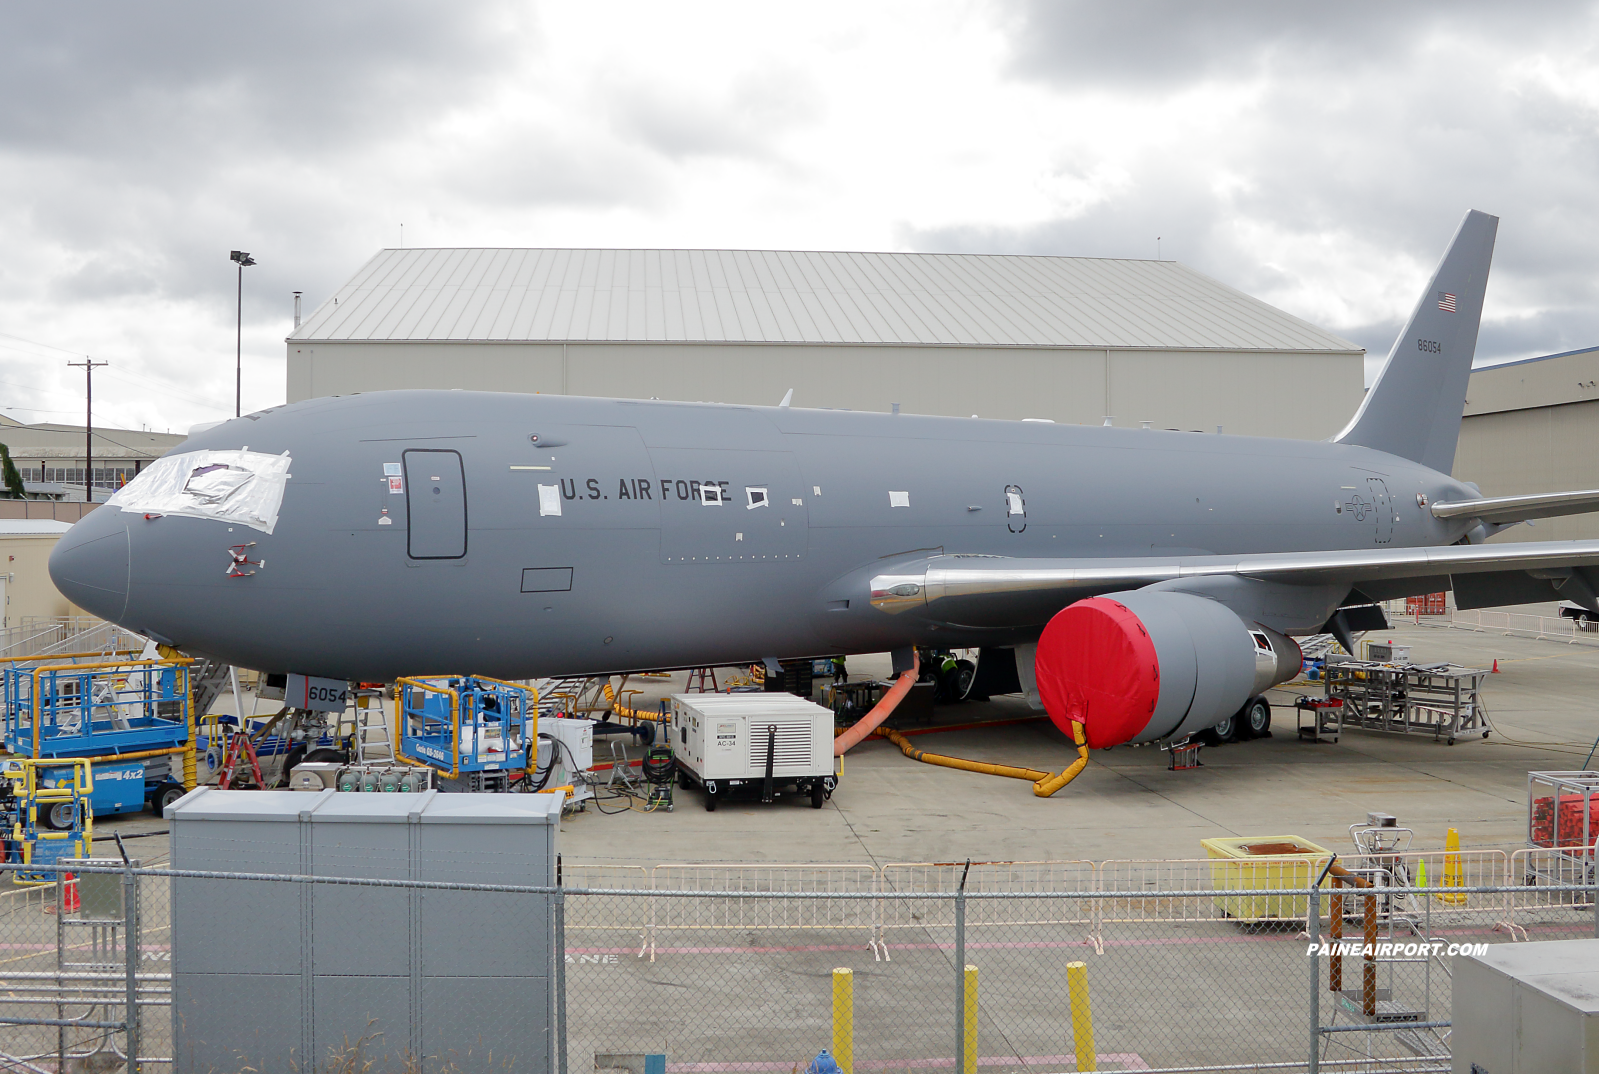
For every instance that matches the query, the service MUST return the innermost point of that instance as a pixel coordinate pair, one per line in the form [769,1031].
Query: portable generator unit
[772,743]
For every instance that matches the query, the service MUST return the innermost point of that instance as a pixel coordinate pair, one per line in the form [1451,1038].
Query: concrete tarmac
[1126,804]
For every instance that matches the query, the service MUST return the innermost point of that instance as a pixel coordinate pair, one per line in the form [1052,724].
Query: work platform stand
[1443,701]
[1325,718]
[1372,1010]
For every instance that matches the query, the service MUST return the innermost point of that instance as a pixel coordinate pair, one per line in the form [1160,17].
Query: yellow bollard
[969,1051]
[844,1019]
[1082,1015]
[1454,874]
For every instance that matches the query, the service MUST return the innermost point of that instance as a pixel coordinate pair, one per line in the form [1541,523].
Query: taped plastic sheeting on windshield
[243,487]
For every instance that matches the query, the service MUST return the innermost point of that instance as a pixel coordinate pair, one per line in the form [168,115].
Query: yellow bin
[1264,861]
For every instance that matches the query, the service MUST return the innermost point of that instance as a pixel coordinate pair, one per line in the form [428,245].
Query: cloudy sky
[1316,156]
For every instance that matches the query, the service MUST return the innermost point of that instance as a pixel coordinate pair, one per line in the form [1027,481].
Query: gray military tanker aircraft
[1149,583]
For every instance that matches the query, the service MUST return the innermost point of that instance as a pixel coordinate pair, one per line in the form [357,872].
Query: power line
[34,409]
[36,343]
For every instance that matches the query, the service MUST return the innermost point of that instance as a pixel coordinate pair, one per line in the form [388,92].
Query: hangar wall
[1304,395]
[1534,427]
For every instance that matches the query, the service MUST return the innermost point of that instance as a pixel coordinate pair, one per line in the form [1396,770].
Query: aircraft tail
[1414,408]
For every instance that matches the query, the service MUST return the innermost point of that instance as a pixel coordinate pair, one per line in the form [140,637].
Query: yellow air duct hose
[631,713]
[1044,784]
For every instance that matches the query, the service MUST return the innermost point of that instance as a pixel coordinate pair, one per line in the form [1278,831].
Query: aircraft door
[1383,506]
[435,503]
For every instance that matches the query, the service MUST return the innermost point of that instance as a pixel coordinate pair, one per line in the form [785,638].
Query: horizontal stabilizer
[1503,510]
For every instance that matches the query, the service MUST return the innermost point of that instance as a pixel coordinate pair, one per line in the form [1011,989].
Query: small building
[1070,339]
[26,592]
[50,457]
[1526,430]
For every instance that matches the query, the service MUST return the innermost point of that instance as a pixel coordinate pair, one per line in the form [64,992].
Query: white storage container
[723,741]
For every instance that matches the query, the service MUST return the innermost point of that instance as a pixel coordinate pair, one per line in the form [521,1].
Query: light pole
[244,260]
[88,365]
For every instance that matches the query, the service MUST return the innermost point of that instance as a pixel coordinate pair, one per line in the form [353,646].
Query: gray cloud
[1155,46]
[1374,128]
[141,142]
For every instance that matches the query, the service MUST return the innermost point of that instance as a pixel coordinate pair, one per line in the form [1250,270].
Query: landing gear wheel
[326,754]
[59,816]
[295,755]
[710,797]
[965,675]
[1224,731]
[165,795]
[818,795]
[1255,719]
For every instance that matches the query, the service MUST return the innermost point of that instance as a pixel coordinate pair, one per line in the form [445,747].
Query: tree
[9,476]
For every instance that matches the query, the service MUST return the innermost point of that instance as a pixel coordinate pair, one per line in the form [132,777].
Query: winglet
[788,397]
[1414,408]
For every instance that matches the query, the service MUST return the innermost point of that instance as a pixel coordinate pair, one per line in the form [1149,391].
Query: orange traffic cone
[1496,667]
[71,904]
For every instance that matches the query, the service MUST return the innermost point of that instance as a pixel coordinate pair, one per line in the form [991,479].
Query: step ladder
[621,768]
[374,738]
[697,679]
[238,749]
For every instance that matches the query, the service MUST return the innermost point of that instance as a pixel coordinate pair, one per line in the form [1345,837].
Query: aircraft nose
[90,564]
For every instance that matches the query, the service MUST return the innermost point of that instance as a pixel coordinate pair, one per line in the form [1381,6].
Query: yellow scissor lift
[30,788]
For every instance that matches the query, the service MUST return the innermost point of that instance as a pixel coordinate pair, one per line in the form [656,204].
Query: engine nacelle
[1141,666]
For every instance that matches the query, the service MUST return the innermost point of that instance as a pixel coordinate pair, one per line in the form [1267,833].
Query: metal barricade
[716,914]
[596,918]
[1551,893]
[906,918]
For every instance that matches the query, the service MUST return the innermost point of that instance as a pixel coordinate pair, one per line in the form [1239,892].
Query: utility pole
[244,260]
[88,365]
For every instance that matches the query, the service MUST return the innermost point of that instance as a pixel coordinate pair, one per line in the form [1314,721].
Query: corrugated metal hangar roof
[776,296]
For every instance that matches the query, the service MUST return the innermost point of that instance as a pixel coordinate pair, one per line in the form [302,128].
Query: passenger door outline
[436,527]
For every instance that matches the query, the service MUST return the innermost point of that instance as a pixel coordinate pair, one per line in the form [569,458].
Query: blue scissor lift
[130,719]
[474,731]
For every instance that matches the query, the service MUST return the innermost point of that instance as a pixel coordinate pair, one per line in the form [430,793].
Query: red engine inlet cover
[1096,666]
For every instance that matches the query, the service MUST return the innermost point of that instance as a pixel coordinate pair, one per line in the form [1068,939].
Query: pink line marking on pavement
[1124,1060]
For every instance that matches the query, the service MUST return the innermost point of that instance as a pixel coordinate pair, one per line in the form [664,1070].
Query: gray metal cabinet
[279,975]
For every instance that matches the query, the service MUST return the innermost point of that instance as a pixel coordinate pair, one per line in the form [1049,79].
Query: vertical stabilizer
[1414,408]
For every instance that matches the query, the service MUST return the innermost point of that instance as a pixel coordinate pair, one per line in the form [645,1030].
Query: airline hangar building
[1070,339]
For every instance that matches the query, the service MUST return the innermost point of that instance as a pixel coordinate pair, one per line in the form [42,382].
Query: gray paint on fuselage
[662,580]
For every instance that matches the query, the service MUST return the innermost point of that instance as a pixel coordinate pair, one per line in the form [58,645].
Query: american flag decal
[1446,302]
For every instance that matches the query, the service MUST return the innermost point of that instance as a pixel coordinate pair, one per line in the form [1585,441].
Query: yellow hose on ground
[1046,787]
[961,763]
[1044,784]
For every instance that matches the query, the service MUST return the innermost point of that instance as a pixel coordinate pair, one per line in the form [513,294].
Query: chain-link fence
[1009,968]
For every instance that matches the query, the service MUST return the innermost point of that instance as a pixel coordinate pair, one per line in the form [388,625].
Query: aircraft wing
[1503,510]
[981,590]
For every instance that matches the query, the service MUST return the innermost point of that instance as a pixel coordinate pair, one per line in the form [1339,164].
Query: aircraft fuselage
[644,568]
